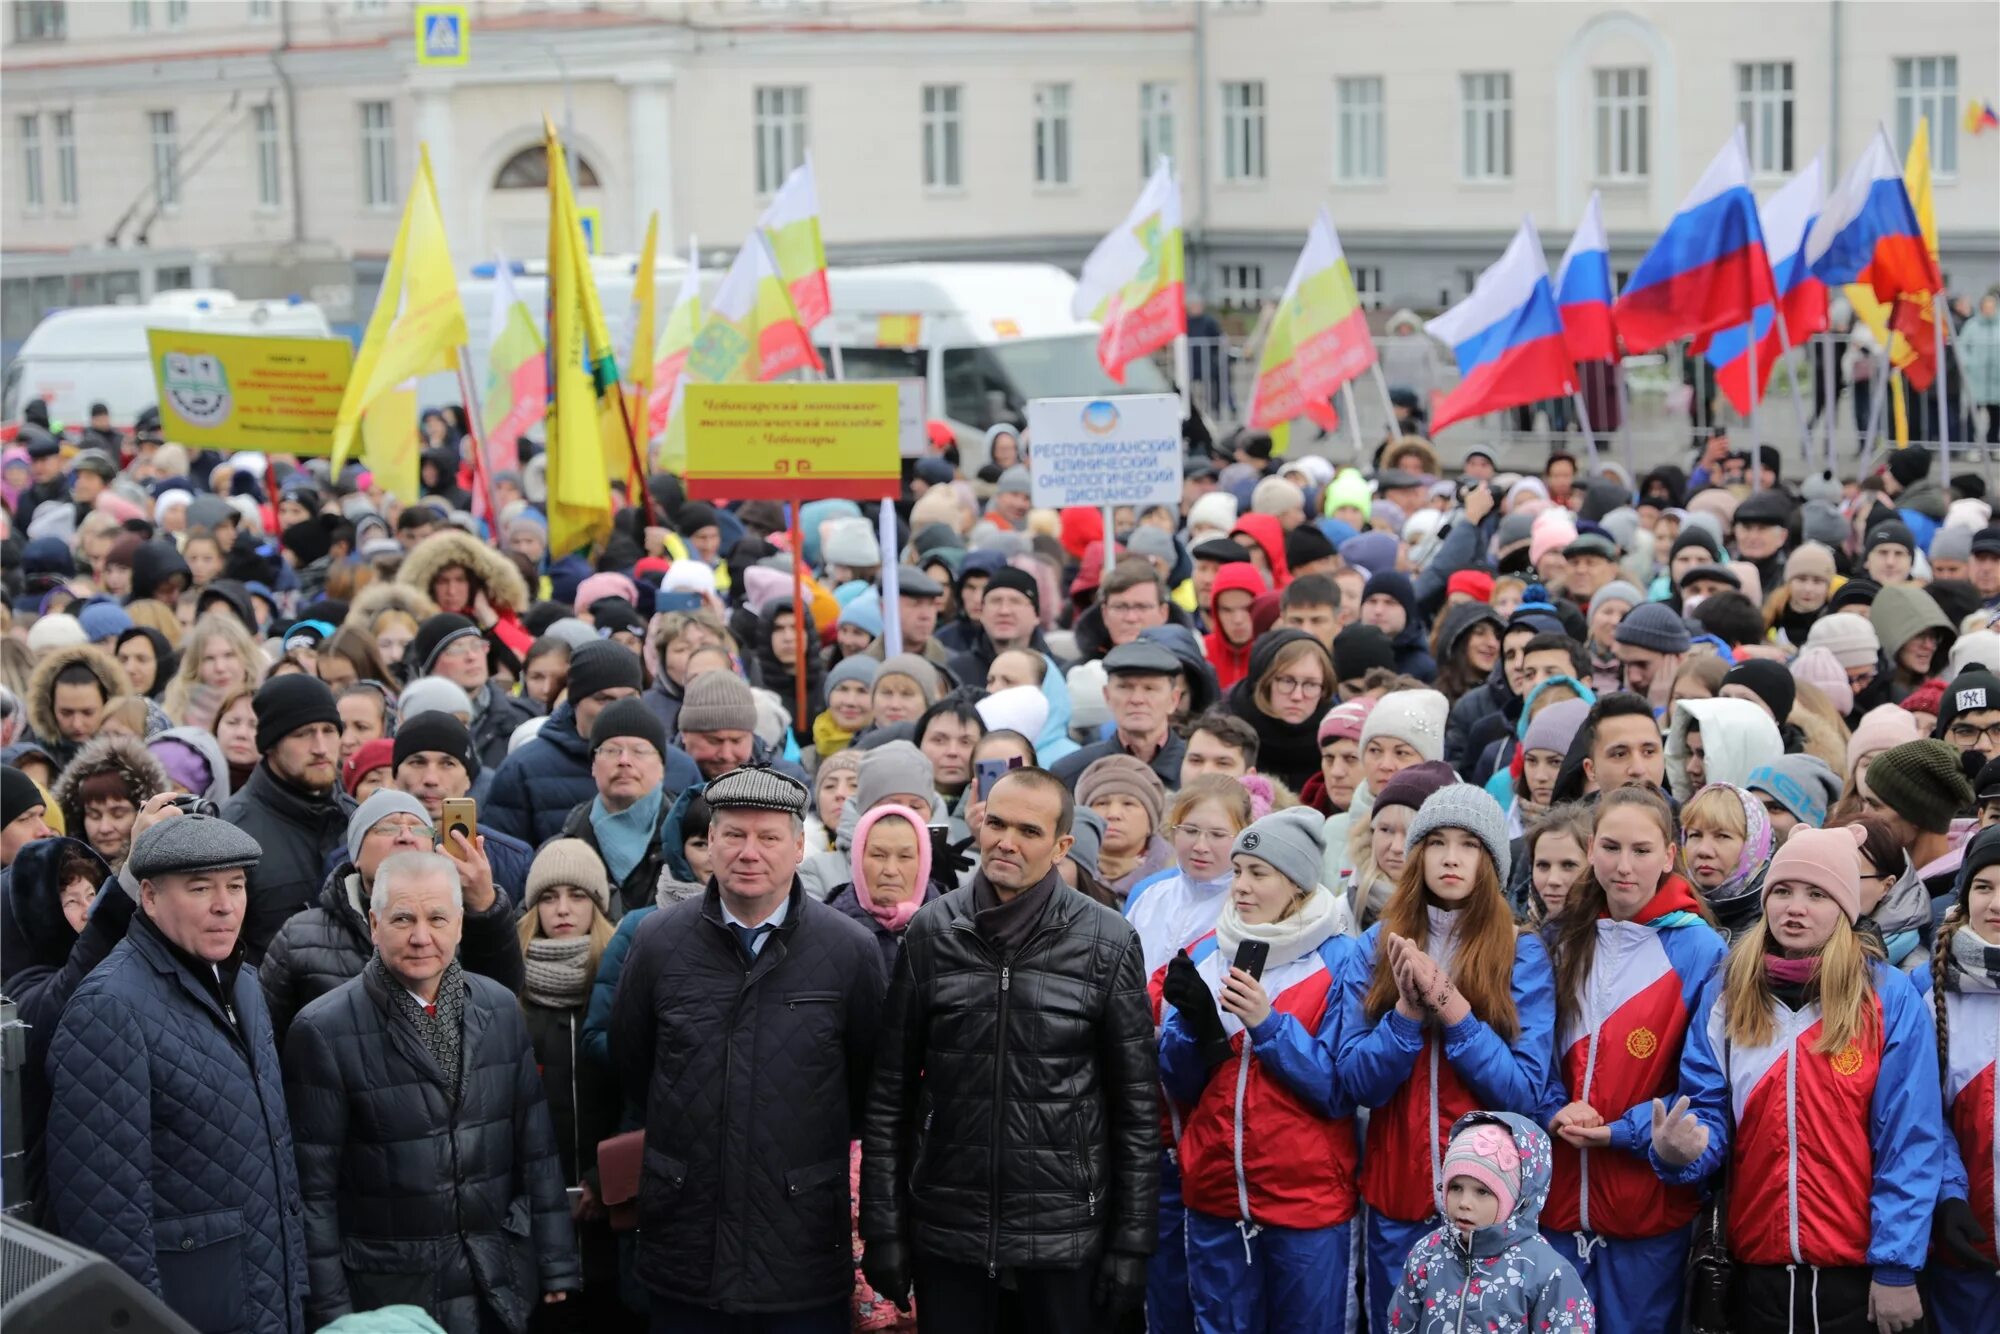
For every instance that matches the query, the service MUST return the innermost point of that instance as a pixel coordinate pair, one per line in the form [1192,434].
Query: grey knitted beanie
[1292,840]
[1463,806]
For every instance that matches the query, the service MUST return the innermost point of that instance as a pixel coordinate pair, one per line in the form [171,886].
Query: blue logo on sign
[1100,417]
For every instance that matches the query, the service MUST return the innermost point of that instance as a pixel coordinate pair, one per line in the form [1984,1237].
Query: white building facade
[181,141]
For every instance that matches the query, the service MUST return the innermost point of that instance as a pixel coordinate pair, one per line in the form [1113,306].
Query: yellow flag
[639,352]
[579,487]
[419,322]
[1917,181]
[389,443]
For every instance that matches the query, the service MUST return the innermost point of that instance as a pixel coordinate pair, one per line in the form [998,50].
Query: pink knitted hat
[893,916]
[1345,720]
[1488,1154]
[1826,859]
[1554,529]
[1818,667]
[1882,727]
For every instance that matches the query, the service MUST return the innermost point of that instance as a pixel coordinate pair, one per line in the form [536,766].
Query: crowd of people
[1406,897]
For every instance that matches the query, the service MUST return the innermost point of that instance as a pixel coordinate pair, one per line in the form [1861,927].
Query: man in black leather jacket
[1011,1140]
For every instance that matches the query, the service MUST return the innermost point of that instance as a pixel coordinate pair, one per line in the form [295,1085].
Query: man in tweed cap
[168,1109]
[747,1016]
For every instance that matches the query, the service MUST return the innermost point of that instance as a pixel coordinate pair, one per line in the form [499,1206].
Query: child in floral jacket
[1488,1267]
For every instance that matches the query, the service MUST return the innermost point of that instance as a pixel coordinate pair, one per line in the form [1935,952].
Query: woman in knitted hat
[1962,979]
[905,686]
[565,925]
[1882,728]
[849,709]
[1726,840]
[1285,693]
[1792,608]
[1630,954]
[1403,728]
[1331,790]
[1426,1042]
[219,657]
[834,781]
[1267,1148]
[1829,1213]
[1133,802]
[1377,862]
[890,865]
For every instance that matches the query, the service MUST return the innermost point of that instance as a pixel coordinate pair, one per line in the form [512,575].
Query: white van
[984,338]
[97,354]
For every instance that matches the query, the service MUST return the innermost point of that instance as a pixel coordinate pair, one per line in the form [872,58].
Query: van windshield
[985,386]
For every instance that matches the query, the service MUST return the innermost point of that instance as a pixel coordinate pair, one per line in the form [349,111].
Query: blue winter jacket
[535,787]
[1502,1277]
[169,1150]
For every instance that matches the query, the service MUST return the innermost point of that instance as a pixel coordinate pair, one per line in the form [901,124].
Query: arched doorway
[517,212]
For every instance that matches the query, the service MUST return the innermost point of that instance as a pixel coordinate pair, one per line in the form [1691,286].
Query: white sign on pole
[912,428]
[1105,451]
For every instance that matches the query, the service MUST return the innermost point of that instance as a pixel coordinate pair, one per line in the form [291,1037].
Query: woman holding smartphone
[1267,1146]
[1631,952]
[1447,1008]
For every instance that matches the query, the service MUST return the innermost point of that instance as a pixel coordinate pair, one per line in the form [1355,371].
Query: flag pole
[1828,362]
[1876,407]
[799,719]
[1625,418]
[1388,404]
[892,614]
[1798,400]
[1756,387]
[1110,555]
[1183,368]
[475,427]
[1589,437]
[1353,420]
[1939,314]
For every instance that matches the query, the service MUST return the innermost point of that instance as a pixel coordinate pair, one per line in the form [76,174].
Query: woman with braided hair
[1962,981]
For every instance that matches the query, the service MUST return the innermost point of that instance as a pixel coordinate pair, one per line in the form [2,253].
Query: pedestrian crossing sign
[443,35]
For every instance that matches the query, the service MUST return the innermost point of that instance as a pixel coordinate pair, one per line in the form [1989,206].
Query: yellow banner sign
[235,391]
[793,441]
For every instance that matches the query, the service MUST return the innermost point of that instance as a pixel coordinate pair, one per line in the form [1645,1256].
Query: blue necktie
[748,936]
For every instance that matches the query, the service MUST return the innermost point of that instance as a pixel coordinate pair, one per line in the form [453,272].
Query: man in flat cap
[169,1150]
[746,1019]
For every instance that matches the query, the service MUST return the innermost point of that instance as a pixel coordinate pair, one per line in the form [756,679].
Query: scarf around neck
[441,1026]
[558,971]
[1322,916]
[829,737]
[623,836]
[1972,965]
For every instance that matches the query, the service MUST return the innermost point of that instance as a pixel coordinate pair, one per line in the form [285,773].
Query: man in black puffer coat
[1012,1138]
[426,1157]
[748,1017]
[315,951]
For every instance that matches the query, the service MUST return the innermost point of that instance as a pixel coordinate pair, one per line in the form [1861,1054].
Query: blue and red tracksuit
[1177,913]
[1420,1080]
[1966,1301]
[1267,1152]
[1836,1159]
[1626,1231]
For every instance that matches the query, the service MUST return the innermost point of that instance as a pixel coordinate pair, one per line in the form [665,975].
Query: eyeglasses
[637,754]
[389,829]
[1968,735]
[1194,833]
[1131,608]
[1297,685]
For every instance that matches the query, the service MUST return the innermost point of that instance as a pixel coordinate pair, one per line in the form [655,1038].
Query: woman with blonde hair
[1812,1075]
[389,613]
[220,656]
[1448,1008]
[1726,838]
[351,656]
[153,614]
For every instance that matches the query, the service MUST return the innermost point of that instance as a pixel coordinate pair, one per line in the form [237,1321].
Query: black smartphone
[1250,957]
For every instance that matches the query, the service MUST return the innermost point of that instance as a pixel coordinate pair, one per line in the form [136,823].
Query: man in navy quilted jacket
[169,1150]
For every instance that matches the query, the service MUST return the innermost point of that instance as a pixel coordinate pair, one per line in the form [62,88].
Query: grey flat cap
[913,582]
[186,844]
[758,788]
[1141,657]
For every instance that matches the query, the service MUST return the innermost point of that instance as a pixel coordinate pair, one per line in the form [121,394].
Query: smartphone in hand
[1251,955]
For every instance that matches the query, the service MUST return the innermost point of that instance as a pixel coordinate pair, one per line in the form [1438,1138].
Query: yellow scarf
[829,737]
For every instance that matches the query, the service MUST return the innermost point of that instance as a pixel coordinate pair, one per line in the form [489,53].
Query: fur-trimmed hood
[145,777]
[504,585]
[381,596]
[42,685]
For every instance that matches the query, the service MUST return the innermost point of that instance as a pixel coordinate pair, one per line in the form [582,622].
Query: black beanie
[1983,851]
[1304,545]
[435,634]
[440,732]
[308,540]
[628,717]
[284,704]
[602,665]
[1358,648]
[1973,690]
[18,794]
[1768,681]
[1018,580]
[1909,465]
[695,516]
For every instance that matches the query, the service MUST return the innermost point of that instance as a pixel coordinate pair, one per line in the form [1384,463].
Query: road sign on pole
[444,35]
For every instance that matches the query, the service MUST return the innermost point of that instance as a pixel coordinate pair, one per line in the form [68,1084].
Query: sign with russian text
[793,441]
[236,391]
[1105,451]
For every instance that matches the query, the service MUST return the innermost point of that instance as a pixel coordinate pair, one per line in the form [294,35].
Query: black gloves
[1955,1229]
[1184,989]
[1121,1282]
[949,860]
[886,1266]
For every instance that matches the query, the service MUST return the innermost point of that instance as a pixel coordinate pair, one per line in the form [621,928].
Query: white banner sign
[1105,451]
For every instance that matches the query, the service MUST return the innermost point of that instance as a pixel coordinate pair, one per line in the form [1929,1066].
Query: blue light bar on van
[488,268]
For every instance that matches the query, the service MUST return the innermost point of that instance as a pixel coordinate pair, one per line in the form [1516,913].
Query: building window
[1928,86]
[378,154]
[173,278]
[264,134]
[1051,134]
[1240,285]
[1368,284]
[166,158]
[1156,126]
[260,9]
[40,21]
[943,136]
[31,163]
[142,15]
[529,170]
[1618,101]
[1360,138]
[781,135]
[1764,106]
[65,159]
[1243,131]
[1488,126]
[177,13]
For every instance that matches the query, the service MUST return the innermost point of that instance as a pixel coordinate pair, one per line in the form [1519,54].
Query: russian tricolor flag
[1868,231]
[1787,218]
[1583,289]
[1507,337]
[1708,270]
